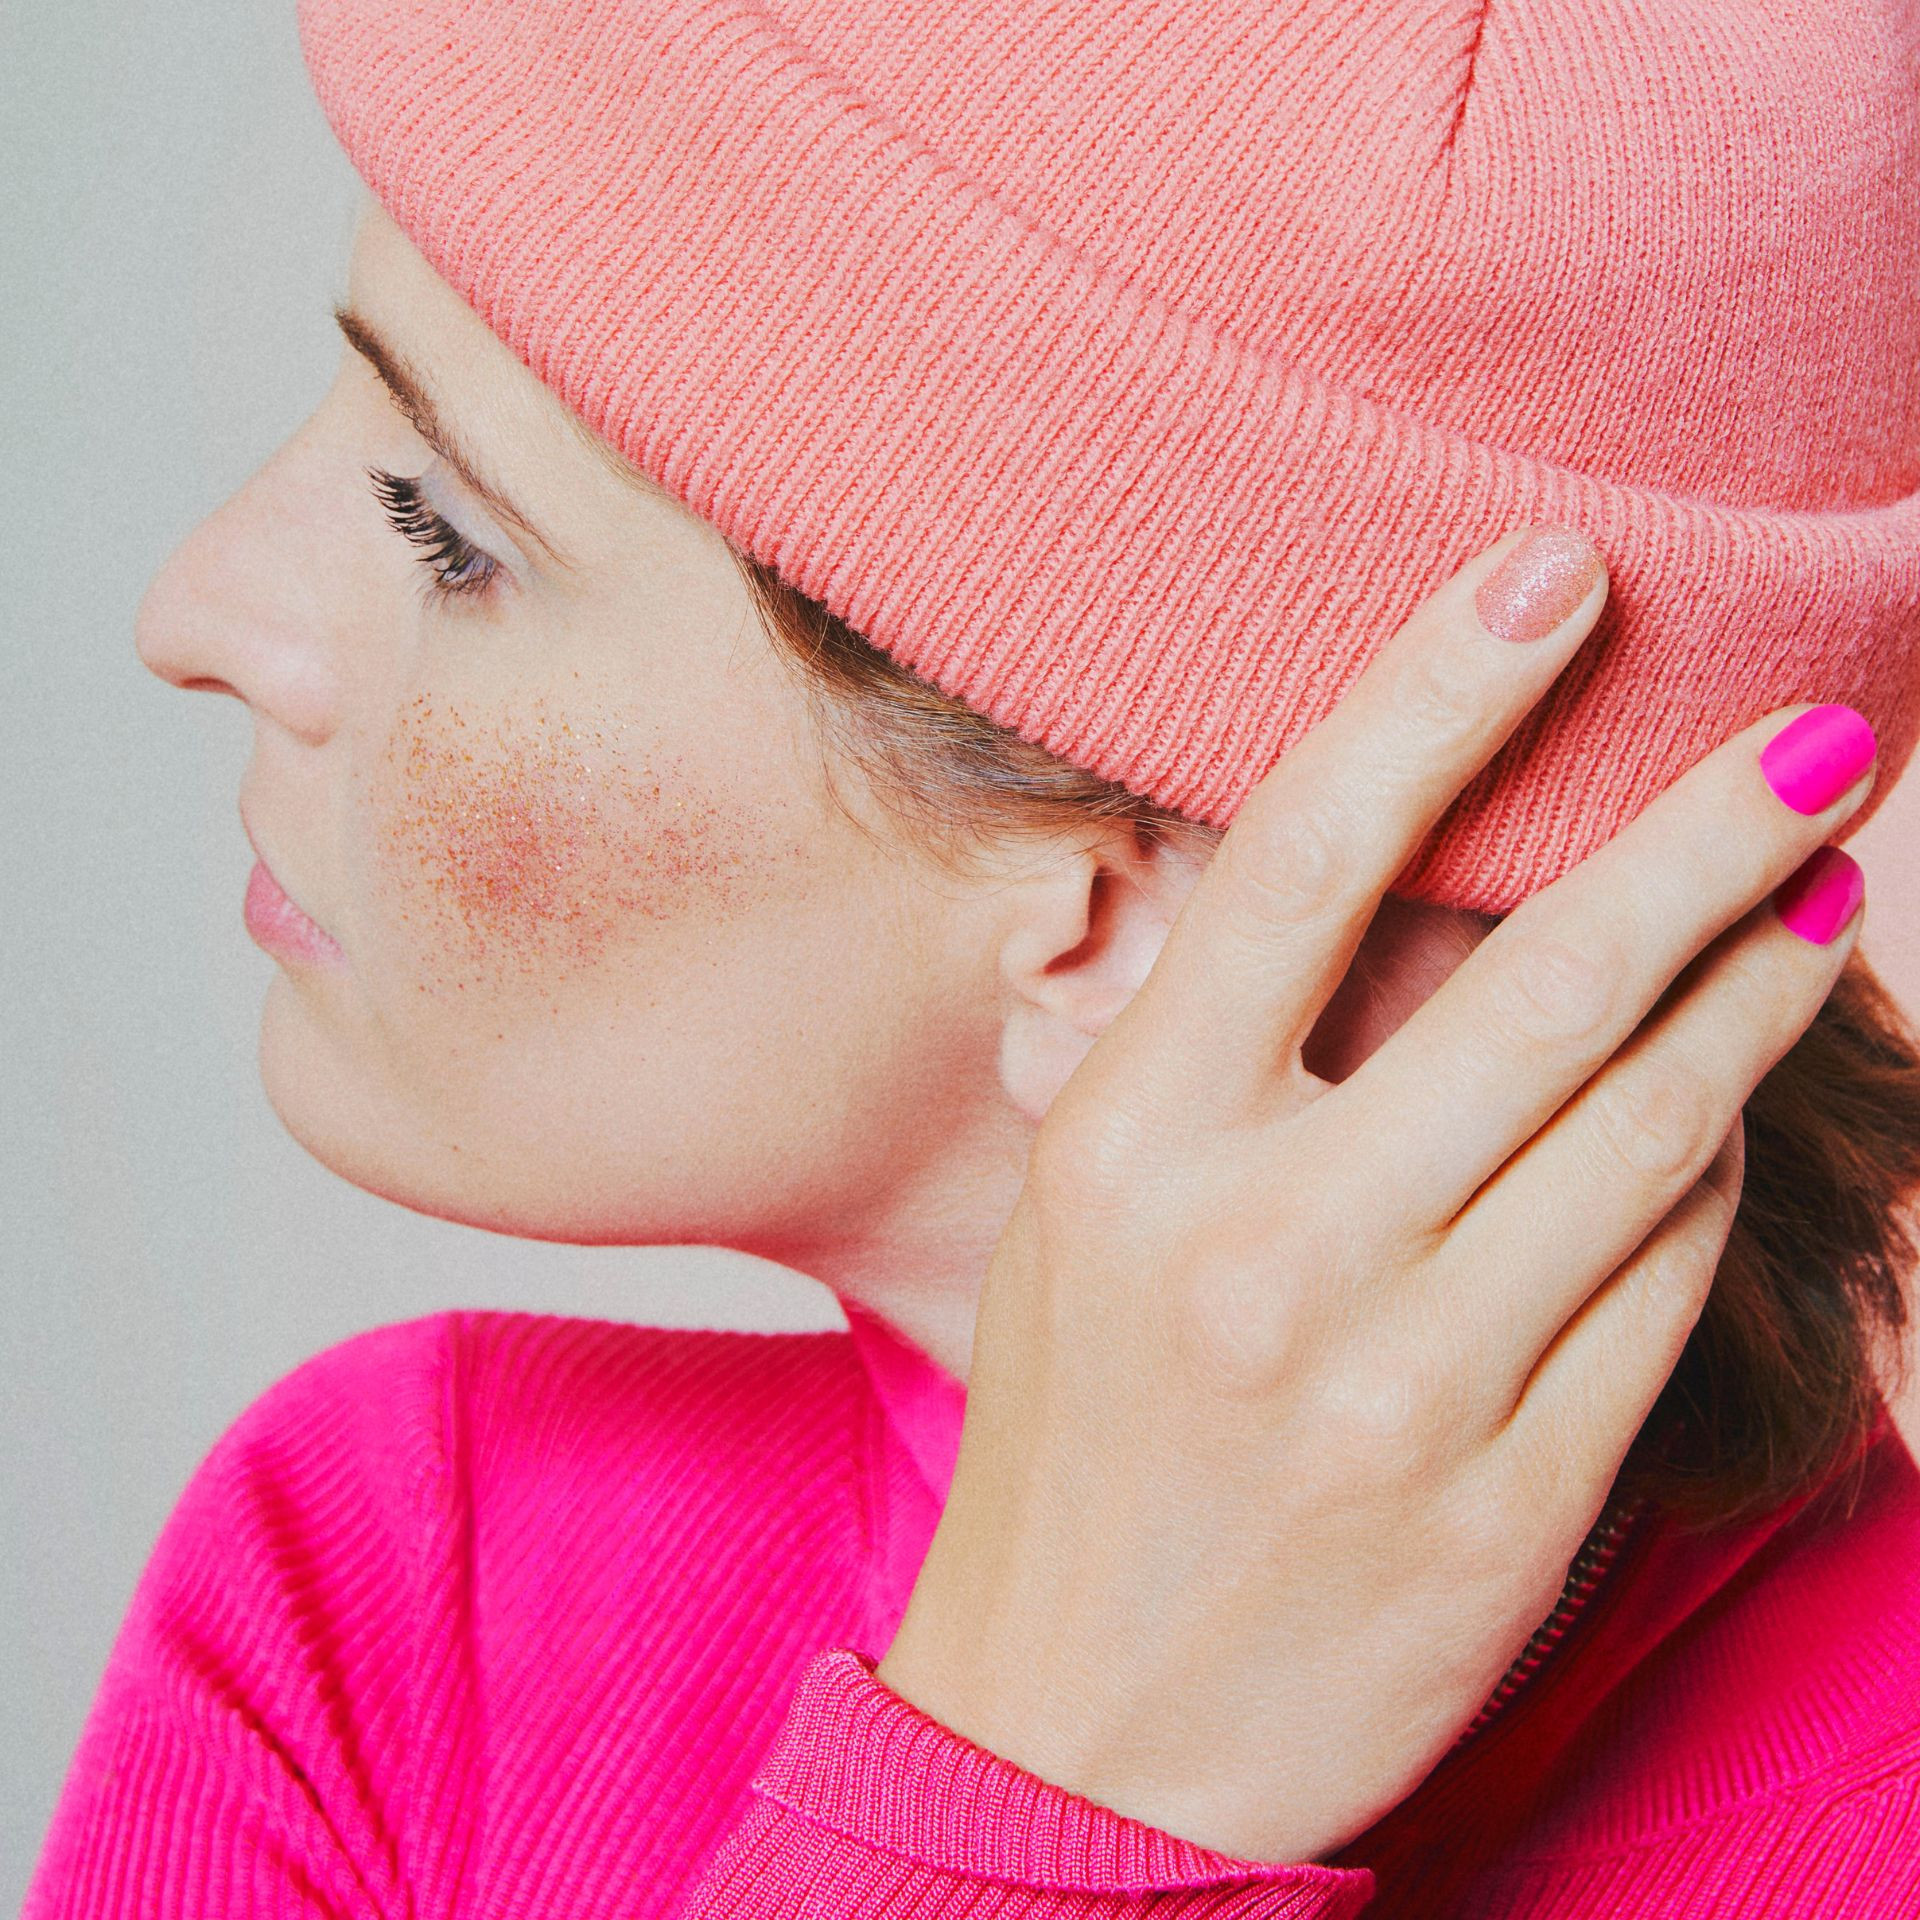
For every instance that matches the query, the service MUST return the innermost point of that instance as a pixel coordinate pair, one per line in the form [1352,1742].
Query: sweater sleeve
[245,1751]
[866,1809]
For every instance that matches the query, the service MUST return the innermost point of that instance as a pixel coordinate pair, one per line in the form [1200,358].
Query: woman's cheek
[532,845]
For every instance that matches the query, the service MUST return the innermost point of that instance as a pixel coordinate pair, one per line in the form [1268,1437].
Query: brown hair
[1780,1382]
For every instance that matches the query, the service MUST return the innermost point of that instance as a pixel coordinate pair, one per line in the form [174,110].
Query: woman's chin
[329,1109]
[377,1139]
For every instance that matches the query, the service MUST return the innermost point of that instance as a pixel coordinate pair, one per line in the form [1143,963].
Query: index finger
[1272,924]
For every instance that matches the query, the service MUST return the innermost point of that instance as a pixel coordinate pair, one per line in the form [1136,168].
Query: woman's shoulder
[447,1532]
[363,1494]
[456,1405]
[361,1511]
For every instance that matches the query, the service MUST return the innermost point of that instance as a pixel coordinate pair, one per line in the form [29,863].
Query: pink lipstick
[280,927]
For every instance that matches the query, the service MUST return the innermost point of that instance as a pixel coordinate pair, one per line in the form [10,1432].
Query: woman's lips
[280,927]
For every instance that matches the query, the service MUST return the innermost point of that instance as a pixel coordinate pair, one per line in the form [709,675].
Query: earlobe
[1038,1053]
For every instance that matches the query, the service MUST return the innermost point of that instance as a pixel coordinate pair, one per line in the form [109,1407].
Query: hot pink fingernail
[1821,895]
[1813,760]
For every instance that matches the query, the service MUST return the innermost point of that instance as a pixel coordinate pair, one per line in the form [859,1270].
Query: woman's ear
[1086,934]
[1089,929]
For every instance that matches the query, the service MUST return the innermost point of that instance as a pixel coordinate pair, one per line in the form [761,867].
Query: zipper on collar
[1585,1576]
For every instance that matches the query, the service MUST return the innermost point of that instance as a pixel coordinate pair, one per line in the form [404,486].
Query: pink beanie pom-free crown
[1130,369]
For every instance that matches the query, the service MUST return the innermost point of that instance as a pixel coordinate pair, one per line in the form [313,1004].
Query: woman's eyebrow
[410,395]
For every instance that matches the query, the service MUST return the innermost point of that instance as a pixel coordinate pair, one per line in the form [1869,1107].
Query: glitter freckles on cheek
[536,847]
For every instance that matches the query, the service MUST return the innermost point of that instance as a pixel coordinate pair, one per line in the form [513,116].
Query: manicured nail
[1813,760]
[1537,587]
[1821,895]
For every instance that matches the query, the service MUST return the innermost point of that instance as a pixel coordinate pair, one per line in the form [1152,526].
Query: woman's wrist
[1000,1702]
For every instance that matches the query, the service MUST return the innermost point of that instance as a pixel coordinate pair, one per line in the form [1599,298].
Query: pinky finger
[1593,1388]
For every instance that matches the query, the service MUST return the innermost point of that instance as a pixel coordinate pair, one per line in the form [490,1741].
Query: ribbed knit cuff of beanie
[1131,371]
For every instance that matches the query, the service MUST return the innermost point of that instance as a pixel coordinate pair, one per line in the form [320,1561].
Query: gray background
[174,221]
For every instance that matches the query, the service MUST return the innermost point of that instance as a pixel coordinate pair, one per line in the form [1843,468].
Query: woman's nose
[241,606]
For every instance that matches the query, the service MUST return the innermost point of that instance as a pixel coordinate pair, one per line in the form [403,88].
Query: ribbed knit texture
[1131,368]
[504,1615]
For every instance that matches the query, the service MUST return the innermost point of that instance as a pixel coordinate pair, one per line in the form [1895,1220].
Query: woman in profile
[1171,694]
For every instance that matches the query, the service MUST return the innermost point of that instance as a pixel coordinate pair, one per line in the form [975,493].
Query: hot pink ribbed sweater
[509,1615]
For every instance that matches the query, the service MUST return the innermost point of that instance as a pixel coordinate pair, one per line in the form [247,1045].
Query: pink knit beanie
[1130,368]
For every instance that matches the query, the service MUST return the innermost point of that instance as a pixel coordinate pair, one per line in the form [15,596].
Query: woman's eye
[457,565]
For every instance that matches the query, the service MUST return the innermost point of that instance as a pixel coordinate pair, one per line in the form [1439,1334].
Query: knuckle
[1667,1291]
[1087,1158]
[1548,989]
[1290,868]
[1385,1418]
[1237,1325]
[1673,1278]
[1659,1120]
[1441,692]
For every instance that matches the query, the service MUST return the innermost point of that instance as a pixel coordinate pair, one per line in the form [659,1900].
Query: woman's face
[603,960]
[584,945]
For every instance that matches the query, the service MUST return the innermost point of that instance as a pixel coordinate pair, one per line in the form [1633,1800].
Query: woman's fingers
[1548,997]
[1592,1390]
[1545,1233]
[1271,925]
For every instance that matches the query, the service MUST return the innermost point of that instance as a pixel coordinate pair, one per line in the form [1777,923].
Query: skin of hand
[1291,1402]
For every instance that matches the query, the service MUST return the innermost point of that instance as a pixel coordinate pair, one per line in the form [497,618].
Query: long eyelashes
[457,565]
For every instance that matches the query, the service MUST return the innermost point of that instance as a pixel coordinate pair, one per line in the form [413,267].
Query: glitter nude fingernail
[1538,587]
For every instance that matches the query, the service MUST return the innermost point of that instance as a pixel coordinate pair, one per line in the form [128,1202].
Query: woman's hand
[1291,1403]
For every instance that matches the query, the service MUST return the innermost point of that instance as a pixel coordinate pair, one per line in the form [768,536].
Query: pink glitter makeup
[529,845]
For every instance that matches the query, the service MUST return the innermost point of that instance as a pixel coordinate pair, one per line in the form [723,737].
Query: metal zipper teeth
[1584,1577]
